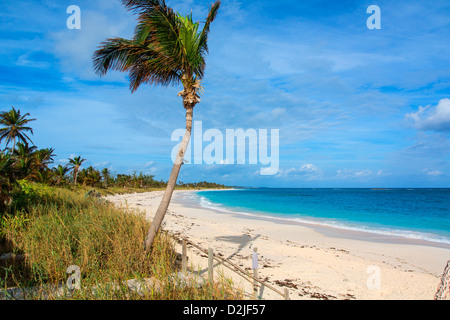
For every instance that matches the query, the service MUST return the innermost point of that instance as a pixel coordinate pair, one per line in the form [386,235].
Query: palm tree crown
[167,49]
[60,173]
[14,126]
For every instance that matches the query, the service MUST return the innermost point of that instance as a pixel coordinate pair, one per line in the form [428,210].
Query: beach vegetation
[53,228]
[47,228]
[51,219]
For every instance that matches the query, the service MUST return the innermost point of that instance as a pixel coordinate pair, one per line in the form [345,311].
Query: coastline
[313,261]
[325,229]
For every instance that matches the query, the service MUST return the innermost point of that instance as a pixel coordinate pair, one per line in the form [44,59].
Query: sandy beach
[313,262]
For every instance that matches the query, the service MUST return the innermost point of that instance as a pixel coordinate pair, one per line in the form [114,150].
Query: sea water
[410,213]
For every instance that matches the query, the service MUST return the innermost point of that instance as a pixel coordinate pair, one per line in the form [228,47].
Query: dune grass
[54,228]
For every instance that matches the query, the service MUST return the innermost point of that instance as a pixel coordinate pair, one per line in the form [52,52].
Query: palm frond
[205,31]
[140,6]
[116,54]
[167,48]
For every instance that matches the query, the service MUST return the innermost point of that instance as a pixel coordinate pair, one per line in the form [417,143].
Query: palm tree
[24,151]
[44,157]
[91,176]
[25,161]
[45,176]
[82,176]
[105,174]
[94,178]
[123,180]
[167,49]
[60,173]
[14,126]
[75,164]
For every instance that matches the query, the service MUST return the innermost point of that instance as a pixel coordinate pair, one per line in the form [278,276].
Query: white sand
[313,262]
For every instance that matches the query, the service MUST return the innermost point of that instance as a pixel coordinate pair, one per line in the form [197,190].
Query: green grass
[54,228]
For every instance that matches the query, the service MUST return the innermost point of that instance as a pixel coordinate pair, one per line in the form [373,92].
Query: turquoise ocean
[422,214]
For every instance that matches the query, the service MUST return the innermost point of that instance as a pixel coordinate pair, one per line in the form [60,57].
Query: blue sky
[355,107]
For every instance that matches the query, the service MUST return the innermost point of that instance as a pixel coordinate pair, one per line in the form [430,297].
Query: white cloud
[348,173]
[308,171]
[149,164]
[435,118]
[434,173]
[24,60]
[363,173]
[383,173]
[151,171]
[309,168]
[62,161]
[103,164]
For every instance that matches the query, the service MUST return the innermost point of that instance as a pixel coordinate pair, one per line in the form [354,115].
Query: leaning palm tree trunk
[167,196]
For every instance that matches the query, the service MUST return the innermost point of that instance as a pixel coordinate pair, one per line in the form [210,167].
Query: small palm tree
[93,177]
[60,173]
[25,161]
[44,157]
[105,176]
[24,151]
[167,49]
[82,176]
[45,176]
[15,125]
[75,164]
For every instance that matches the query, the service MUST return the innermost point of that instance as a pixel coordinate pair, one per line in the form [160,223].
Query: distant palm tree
[123,180]
[167,49]
[105,175]
[44,157]
[25,161]
[14,127]
[75,164]
[24,151]
[81,176]
[60,173]
[24,168]
[45,176]
[93,177]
